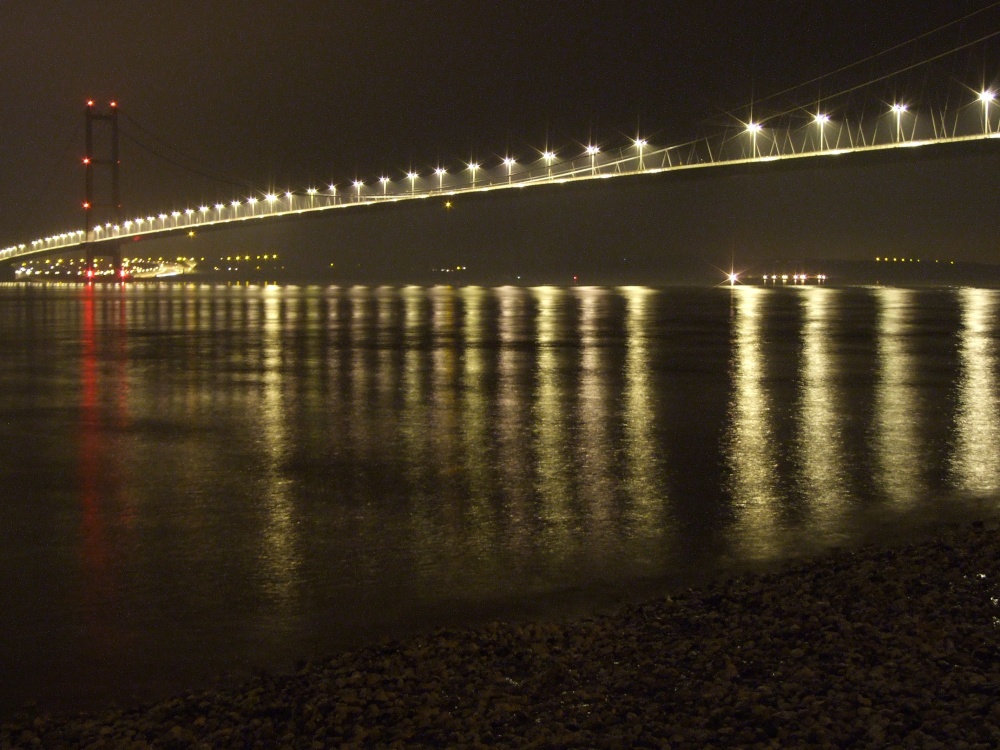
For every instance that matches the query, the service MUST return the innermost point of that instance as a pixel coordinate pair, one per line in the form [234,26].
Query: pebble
[872,648]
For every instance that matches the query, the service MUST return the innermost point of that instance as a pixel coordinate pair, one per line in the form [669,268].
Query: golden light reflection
[387,366]
[820,426]
[514,419]
[646,494]
[554,402]
[443,301]
[309,324]
[279,553]
[334,362]
[443,393]
[386,298]
[474,312]
[596,484]
[750,449]
[456,443]
[899,461]
[245,312]
[475,402]
[975,463]
[415,316]
[428,424]
[415,423]
[361,375]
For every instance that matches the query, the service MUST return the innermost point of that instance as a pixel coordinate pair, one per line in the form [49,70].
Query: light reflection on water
[200,479]
[824,477]
[898,442]
[598,392]
[279,550]
[554,409]
[976,457]
[751,448]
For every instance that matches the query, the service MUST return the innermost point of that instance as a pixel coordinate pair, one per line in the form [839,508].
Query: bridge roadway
[692,155]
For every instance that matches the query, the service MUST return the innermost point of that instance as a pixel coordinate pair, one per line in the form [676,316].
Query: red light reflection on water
[100,486]
[95,553]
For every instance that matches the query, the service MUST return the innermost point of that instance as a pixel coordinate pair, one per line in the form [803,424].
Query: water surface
[202,480]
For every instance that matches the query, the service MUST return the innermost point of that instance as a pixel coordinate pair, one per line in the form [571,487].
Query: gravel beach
[878,647]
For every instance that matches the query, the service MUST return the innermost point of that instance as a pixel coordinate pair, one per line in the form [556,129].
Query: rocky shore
[880,647]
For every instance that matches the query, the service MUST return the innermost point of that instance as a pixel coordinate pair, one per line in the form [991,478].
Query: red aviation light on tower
[86,160]
[113,104]
[90,102]
[86,204]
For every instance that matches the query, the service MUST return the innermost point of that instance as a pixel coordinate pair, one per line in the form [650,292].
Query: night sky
[289,95]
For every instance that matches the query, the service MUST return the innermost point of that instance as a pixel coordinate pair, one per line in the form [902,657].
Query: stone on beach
[872,648]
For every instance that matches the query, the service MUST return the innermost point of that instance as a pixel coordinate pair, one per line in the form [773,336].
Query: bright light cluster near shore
[148,267]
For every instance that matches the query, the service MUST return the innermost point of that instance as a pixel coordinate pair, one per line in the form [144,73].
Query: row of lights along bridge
[547,167]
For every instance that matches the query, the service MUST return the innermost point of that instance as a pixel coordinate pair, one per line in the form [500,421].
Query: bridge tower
[105,203]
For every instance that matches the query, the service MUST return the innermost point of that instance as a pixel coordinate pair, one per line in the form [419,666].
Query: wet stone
[867,649]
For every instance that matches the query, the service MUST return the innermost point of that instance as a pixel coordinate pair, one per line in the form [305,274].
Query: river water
[202,480]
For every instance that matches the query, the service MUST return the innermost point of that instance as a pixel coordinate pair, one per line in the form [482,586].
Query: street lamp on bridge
[385,182]
[640,144]
[986,96]
[549,157]
[821,120]
[358,184]
[753,128]
[473,167]
[899,109]
[440,172]
[412,177]
[592,152]
[509,163]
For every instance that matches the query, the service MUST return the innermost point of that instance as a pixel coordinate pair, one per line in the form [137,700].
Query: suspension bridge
[822,128]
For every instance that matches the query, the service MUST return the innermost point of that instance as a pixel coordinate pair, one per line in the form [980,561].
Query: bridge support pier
[111,250]
[108,200]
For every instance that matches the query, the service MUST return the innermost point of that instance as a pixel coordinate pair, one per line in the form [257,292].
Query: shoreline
[881,645]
